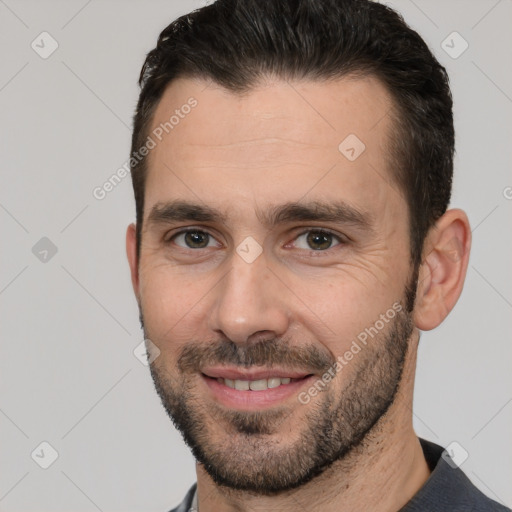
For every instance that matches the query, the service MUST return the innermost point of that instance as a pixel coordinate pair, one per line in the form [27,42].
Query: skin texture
[243,155]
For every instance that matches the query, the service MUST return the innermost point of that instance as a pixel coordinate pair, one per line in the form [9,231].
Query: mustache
[269,353]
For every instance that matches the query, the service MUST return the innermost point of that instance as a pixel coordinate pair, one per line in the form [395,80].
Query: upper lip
[232,373]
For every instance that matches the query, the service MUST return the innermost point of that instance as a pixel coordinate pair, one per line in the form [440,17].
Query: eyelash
[339,238]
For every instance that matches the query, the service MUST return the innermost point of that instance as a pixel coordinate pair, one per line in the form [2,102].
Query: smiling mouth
[255,379]
[256,385]
[254,389]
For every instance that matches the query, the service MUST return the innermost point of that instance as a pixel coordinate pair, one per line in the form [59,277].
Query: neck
[381,474]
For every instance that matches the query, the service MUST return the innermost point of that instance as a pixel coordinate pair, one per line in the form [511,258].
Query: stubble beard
[271,451]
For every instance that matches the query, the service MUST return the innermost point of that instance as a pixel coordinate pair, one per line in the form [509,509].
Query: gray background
[69,323]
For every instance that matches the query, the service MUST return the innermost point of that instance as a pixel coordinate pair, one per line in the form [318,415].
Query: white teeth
[274,382]
[229,383]
[255,385]
[242,385]
[258,385]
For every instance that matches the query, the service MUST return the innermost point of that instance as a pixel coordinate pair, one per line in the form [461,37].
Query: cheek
[345,300]
[172,306]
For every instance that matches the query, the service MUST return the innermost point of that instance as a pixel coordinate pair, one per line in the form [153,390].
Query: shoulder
[184,506]
[448,488]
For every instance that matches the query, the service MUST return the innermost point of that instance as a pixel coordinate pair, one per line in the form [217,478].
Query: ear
[131,253]
[443,269]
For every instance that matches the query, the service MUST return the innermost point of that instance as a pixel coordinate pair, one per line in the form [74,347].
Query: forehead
[311,111]
[280,138]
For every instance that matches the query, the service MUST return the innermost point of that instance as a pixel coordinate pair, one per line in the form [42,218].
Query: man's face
[268,249]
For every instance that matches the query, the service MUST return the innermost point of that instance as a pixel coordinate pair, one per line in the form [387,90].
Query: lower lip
[252,400]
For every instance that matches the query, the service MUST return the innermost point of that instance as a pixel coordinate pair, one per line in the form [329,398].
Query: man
[292,164]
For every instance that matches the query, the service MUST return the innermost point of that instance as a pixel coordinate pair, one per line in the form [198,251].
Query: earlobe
[131,253]
[443,269]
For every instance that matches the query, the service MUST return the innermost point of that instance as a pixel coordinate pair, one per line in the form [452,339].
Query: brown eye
[317,240]
[192,239]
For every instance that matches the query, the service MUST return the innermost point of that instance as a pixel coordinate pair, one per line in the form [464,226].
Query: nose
[249,303]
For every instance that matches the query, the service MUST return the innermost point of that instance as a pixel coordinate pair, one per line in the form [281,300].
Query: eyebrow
[336,212]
